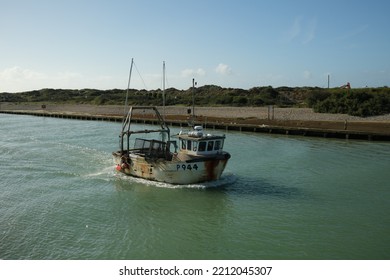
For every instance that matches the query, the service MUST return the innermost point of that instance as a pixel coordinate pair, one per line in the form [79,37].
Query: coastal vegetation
[358,102]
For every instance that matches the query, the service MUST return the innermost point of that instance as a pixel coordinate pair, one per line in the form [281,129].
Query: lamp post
[193,98]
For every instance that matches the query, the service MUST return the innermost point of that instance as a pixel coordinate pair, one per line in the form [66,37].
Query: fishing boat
[193,157]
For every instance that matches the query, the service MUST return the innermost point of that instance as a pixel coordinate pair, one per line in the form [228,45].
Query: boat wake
[226,179]
[104,174]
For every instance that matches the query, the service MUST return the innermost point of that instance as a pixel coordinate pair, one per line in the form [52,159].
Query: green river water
[281,197]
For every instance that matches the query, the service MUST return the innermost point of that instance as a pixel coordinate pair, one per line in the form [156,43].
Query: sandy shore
[295,117]
[305,114]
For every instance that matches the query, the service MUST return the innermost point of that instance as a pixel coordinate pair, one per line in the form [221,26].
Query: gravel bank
[283,114]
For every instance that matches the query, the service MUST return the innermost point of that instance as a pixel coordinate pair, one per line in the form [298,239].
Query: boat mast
[128,86]
[193,102]
[163,90]
[126,115]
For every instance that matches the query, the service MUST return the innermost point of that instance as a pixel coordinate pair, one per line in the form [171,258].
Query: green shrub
[356,103]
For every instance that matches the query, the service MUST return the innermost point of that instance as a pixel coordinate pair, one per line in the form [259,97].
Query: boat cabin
[196,143]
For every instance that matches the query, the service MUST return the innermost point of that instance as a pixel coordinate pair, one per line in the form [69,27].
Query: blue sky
[242,44]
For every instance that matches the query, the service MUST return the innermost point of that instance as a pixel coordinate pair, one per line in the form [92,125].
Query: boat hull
[173,171]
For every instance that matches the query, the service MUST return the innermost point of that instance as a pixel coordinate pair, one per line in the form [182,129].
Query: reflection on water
[264,188]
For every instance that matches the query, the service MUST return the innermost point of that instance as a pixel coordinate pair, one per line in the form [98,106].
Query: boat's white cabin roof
[198,143]
[202,138]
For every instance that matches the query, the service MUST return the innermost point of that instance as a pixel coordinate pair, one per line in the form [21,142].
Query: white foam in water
[226,179]
[104,172]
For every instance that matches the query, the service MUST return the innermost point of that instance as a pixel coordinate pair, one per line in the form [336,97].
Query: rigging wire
[146,88]
[128,87]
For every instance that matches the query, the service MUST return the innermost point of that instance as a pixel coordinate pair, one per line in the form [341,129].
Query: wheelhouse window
[194,146]
[183,145]
[189,146]
[217,145]
[210,145]
[202,146]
